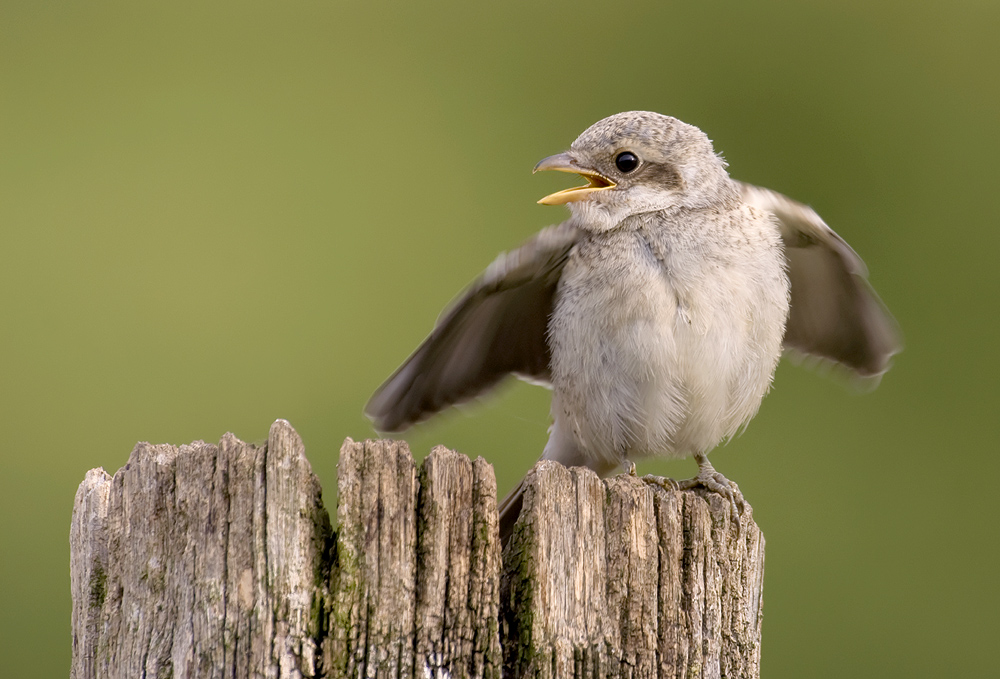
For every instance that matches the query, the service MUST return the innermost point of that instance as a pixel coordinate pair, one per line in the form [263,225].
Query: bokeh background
[215,216]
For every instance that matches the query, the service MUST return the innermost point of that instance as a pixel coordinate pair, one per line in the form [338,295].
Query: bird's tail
[509,510]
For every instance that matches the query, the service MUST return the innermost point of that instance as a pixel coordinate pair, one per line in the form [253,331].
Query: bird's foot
[629,466]
[717,483]
[664,482]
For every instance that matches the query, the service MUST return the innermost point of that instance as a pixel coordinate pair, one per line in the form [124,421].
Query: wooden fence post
[220,561]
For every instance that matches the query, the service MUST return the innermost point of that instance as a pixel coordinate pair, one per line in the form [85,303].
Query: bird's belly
[656,371]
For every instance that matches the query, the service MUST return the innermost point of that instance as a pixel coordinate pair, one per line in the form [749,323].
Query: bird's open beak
[564,162]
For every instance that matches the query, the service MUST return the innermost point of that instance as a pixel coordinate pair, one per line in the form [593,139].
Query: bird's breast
[656,353]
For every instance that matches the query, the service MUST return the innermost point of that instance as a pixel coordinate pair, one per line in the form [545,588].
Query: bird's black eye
[626,161]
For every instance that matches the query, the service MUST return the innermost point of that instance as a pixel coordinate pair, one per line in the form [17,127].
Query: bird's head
[638,162]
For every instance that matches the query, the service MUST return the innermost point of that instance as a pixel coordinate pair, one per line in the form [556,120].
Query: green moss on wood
[98,585]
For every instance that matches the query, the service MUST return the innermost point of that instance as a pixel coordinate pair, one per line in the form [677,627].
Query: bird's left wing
[497,327]
[835,314]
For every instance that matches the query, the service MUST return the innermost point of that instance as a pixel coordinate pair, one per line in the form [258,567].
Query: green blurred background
[216,216]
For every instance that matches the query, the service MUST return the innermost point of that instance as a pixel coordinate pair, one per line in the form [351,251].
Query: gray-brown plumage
[835,314]
[657,313]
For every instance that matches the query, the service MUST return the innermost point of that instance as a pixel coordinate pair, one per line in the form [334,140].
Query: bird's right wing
[835,314]
[497,327]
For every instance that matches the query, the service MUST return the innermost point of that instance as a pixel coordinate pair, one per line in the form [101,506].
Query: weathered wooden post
[205,561]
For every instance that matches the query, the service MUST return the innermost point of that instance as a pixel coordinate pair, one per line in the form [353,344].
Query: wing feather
[497,327]
[835,314]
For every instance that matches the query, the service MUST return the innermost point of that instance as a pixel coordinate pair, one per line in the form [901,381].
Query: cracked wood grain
[618,578]
[199,560]
[219,560]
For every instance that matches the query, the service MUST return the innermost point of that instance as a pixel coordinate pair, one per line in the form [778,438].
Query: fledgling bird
[657,313]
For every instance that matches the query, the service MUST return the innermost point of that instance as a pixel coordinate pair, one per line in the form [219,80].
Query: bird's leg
[714,481]
[628,465]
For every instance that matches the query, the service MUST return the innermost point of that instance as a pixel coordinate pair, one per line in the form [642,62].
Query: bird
[657,313]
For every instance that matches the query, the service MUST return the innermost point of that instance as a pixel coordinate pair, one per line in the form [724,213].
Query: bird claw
[712,480]
[707,478]
[664,482]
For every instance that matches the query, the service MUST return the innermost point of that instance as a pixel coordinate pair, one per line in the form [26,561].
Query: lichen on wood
[220,560]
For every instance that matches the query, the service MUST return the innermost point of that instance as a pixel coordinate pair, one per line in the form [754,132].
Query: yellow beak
[564,162]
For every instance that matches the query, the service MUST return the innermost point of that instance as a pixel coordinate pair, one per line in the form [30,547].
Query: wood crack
[221,561]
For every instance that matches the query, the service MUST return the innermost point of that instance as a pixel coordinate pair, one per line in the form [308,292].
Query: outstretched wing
[497,327]
[835,314]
